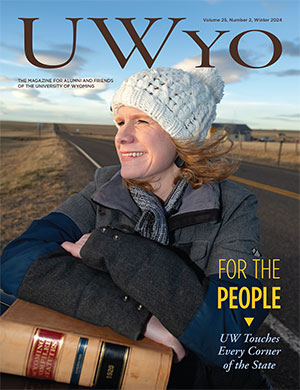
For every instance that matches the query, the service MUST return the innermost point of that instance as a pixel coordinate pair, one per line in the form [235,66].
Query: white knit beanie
[183,103]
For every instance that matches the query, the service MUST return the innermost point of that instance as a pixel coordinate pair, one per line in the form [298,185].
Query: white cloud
[91,93]
[229,70]
[57,58]
[12,63]
[5,79]
[29,95]
[2,88]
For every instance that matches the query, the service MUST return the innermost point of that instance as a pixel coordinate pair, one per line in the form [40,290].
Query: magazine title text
[140,46]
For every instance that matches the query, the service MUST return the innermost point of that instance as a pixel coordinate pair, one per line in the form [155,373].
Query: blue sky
[266,98]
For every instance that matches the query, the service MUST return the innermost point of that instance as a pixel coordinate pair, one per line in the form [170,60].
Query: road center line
[266,187]
[287,335]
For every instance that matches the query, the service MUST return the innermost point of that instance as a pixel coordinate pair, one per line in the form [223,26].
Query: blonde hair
[204,161]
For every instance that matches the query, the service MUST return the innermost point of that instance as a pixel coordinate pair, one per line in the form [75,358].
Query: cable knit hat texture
[183,103]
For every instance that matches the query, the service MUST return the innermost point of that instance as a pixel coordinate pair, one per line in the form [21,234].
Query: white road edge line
[287,335]
[85,154]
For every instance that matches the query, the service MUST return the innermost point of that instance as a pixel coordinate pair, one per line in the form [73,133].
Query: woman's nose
[125,134]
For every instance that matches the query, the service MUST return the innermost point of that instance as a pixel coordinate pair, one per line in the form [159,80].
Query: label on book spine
[79,358]
[111,366]
[43,353]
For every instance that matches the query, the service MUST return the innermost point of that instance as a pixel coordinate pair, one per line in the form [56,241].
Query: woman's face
[145,150]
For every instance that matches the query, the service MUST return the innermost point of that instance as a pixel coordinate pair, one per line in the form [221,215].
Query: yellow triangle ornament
[249,320]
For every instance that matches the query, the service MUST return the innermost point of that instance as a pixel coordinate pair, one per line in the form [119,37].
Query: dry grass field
[25,159]
[102,131]
[289,135]
[268,153]
[37,174]
[24,130]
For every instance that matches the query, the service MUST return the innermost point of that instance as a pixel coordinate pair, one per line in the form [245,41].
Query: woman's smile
[127,156]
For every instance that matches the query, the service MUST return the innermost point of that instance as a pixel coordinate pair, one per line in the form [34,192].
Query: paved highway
[279,230]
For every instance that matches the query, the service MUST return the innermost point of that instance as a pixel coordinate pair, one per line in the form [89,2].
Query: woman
[139,248]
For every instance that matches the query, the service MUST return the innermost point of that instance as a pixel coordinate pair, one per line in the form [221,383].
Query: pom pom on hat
[212,78]
[183,103]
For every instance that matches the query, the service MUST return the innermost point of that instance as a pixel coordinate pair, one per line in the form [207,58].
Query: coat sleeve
[151,273]
[64,283]
[185,302]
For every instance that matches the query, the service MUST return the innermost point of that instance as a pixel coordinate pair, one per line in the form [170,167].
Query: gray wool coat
[123,278]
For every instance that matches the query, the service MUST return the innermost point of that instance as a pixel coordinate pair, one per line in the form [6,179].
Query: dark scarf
[152,223]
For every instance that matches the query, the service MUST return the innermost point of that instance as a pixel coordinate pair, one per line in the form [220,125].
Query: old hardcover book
[41,343]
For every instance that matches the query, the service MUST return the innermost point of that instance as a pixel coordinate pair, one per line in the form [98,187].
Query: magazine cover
[195,276]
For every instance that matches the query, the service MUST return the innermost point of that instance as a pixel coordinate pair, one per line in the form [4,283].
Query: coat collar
[198,205]
[114,195]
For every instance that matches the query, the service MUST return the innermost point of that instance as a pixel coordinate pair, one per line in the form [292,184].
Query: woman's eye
[120,123]
[142,121]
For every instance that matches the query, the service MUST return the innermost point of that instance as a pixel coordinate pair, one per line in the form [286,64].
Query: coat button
[115,237]
[103,230]
[139,307]
[125,298]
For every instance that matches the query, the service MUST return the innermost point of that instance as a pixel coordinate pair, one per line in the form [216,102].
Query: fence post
[279,152]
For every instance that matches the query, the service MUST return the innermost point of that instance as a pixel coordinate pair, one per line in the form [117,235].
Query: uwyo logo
[138,43]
